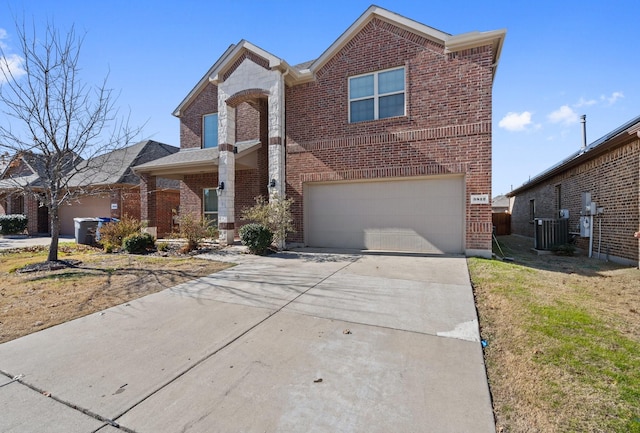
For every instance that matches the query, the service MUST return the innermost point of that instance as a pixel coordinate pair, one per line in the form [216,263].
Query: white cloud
[585,102]
[564,115]
[515,121]
[613,98]
[11,65]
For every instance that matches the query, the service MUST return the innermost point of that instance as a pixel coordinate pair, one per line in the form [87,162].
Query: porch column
[148,200]
[277,177]
[226,172]
[276,140]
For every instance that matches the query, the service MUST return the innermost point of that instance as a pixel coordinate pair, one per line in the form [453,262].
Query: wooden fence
[502,223]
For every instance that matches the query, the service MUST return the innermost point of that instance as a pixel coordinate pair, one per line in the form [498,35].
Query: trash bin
[104,220]
[85,230]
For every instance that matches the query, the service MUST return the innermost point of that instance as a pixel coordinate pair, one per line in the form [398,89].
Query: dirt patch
[563,340]
[90,281]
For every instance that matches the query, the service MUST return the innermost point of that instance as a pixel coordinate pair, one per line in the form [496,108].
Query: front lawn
[33,301]
[563,341]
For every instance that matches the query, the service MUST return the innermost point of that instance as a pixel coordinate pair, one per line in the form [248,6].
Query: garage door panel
[418,215]
[85,207]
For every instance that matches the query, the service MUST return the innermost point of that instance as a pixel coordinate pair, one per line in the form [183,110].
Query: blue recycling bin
[104,220]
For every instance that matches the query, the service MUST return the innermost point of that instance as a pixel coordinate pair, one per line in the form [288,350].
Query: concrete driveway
[294,342]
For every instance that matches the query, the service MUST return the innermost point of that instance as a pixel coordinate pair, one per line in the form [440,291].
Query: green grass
[555,348]
[595,355]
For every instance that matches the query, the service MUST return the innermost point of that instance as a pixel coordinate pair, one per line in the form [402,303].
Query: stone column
[226,172]
[276,140]
[277,179]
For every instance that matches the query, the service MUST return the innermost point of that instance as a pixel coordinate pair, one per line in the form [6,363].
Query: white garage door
[87,207]
[416,215]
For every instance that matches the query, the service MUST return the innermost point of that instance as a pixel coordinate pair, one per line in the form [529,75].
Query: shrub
[563,250]
[138,243]
[162,246]
[194,230]
[275,215]
[256,237]
[113,234]
[12,224]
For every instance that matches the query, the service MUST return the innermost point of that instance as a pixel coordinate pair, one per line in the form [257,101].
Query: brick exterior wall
[206,102]
[612,178]
[447,129]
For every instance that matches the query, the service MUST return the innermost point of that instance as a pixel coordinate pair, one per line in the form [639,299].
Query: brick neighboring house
[383,141]
[609,170]
[108,188]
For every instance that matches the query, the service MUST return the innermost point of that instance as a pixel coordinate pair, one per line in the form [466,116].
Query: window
[210,205]
[532,210]
[210,130]
[376,96]
[558,197]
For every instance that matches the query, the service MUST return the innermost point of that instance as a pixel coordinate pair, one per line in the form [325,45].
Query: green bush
[113,234]
[563,250]
[274,214]
[12,224]
[256,237]
[138,243]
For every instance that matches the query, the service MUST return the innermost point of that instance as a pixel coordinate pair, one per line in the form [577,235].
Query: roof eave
[579,158]
[202,83]
[475,39]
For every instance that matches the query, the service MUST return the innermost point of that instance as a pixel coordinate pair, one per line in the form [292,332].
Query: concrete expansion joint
[18,379]
[221,348]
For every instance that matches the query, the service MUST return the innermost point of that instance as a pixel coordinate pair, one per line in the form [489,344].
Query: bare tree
[54,118]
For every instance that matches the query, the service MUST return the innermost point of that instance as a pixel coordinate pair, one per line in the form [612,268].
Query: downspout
[590,235]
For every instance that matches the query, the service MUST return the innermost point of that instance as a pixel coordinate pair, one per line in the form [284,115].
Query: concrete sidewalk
[15,241]
[294,342]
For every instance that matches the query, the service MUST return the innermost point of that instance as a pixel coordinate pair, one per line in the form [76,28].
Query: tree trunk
[55,234]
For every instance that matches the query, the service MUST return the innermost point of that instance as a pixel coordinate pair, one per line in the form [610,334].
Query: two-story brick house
[383,142]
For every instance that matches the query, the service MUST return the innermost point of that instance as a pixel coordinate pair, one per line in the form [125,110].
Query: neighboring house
[500,204]
[383,142]
[607,173]
[106,187]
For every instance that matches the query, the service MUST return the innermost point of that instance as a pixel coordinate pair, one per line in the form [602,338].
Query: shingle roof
[115,167]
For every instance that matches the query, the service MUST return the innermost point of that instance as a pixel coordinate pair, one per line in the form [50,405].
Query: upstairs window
[210,130]
[377,96]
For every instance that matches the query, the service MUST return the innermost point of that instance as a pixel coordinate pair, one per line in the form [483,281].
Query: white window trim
[376,96]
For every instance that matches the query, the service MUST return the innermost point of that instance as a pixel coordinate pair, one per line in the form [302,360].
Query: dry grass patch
[33,301]
[563,337]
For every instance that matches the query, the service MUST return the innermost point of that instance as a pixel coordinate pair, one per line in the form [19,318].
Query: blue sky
[561,59]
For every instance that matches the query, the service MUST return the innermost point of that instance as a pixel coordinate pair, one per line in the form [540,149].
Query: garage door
[416,215]
[87,207]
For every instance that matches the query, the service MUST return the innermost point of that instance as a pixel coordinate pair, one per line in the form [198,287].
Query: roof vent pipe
[583,120]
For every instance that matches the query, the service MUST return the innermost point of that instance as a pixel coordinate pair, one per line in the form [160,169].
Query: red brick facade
[447,129]
[612,179]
